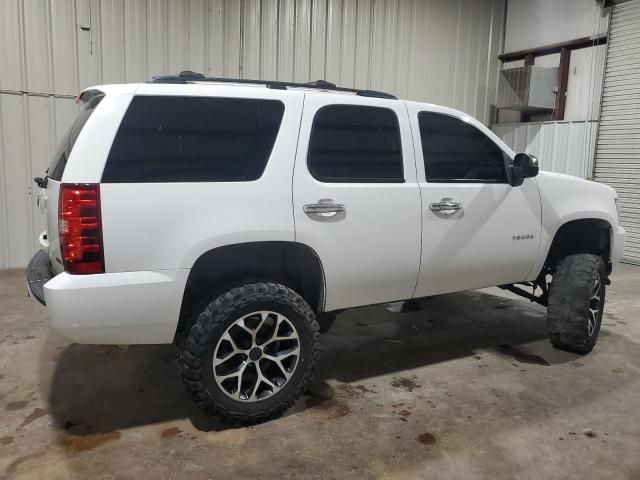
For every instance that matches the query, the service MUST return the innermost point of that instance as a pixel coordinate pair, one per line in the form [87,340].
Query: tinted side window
[455,150]
[193,139]
[60,156]
[351,143]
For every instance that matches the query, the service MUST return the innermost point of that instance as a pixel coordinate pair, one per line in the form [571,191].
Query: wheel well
[294,265]
[589,235]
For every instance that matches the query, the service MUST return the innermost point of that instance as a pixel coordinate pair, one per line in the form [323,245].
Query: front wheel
[576,302]
[250,353]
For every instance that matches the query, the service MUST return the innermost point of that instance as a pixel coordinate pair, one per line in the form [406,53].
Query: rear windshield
[59,161]
[193,139]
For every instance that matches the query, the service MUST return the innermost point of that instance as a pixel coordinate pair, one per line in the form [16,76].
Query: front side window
[356,144]
[456,151]
[193,139]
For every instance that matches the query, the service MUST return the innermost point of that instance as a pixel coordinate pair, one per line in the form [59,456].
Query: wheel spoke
[595,290]
[235,350]
[285,353]
[274,332]
[261,378]
[254,390]
[230,339]
[291,336]
[220,361]
[263,318]
[278,358]
[235,373]
[593,315]
[238,391]
[251,332]
[268,382]
[276,338]
[592,322]
[595,304]
[216,360]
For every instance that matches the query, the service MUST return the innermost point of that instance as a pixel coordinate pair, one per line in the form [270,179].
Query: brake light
[80,228]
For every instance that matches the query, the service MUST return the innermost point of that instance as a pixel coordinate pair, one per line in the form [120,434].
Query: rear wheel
[576,302]
[250,353]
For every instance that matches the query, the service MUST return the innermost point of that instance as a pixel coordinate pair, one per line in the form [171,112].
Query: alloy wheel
[595,304]
[256,356]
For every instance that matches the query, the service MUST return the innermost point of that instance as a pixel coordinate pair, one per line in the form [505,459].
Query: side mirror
[524,166]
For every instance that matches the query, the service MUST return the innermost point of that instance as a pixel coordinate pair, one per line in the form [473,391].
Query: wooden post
[563,80]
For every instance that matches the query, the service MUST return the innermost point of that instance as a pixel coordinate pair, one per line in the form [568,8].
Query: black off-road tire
[569,301]
[195,356]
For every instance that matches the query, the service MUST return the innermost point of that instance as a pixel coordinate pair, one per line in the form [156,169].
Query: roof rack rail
[190,77]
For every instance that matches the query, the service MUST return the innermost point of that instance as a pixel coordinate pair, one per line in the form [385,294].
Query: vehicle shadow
[107,388]
[371,341]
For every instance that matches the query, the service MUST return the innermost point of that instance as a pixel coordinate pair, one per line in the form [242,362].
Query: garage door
[618,150]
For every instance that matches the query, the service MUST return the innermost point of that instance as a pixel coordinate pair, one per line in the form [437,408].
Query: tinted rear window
[356,144]
[193,139]
[61,155]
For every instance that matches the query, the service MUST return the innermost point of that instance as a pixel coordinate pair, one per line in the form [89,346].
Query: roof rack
[190,77]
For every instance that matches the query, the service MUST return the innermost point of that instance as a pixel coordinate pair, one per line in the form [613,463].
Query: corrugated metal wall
[432,50]
[618,150]
[563,147]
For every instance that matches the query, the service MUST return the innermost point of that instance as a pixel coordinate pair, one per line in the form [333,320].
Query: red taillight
[80,228]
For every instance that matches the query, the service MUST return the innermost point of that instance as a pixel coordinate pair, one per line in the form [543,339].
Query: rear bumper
[38,273]
[116,308]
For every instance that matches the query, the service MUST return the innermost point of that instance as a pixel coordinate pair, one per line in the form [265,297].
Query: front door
[356,200]
[478,230]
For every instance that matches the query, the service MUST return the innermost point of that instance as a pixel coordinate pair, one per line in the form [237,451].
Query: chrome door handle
[323,206]
[445,206]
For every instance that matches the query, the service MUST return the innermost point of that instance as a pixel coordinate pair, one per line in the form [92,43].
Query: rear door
[356,200]
[478,230]
[90,100]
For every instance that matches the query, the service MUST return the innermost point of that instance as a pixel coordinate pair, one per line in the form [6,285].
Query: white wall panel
[15,125]
[157,42]
[12,50]
[36,35]
[135,39]
[114,58]
[562,147]
[89,43]
[63,47]
[233,27]
[544,22]
[251,27]
[30,128]
[431,50]
[197,35]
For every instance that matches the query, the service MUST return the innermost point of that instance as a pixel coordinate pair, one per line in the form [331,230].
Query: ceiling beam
[555,48]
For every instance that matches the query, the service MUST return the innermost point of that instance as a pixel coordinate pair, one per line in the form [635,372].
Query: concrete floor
[466,387]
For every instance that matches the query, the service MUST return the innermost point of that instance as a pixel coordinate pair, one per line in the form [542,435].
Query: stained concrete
[457,386]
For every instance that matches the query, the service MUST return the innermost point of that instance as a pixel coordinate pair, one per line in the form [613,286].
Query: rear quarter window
[193,139]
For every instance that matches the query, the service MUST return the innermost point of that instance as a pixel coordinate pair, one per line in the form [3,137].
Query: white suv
[235,218]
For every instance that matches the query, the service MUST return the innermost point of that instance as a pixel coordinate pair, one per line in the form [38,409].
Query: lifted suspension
[539,283]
